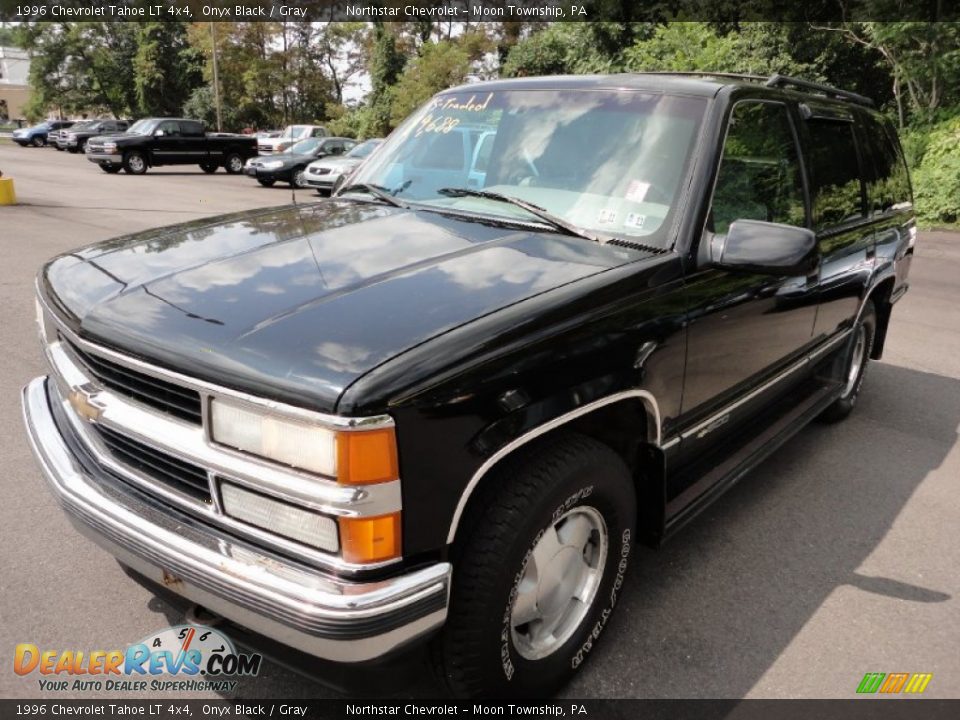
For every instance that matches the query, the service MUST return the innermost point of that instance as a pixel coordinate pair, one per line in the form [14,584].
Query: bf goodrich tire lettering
[486,647]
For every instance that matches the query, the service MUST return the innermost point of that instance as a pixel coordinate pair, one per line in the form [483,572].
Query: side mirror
[767,248]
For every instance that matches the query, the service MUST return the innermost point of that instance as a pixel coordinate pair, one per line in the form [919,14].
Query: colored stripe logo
[913,683]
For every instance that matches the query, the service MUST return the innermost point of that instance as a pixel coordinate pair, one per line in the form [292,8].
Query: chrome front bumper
[329,618]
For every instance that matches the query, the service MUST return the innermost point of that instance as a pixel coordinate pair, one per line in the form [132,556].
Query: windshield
[89,125]
[143,127]
[363,149]
[608,161]
[304,147]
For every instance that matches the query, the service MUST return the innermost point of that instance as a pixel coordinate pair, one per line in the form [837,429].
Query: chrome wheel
[559,582]
[136,164]
[235,164]
[856,360]
[299,178]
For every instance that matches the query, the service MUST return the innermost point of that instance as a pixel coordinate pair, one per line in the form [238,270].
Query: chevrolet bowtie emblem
[81,400]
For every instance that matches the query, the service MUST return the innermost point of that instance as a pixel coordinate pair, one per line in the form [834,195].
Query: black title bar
[478,10]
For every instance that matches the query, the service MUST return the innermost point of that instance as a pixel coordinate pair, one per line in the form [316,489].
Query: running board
[724,475]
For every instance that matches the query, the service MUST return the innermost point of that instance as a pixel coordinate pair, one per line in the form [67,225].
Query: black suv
[446,404]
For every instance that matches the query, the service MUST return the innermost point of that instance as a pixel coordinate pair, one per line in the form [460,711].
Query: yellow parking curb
[7,194]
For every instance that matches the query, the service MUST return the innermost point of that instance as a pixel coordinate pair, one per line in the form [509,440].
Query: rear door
[196,147]
[845,233]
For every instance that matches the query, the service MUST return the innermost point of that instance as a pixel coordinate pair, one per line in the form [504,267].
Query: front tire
[38,141]
[134,163]
[539,570]
[266,182]
[856,359]
[299,179]
[208,168]
[110,169]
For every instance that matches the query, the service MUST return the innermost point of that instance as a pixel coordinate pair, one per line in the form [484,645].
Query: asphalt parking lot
[837,557]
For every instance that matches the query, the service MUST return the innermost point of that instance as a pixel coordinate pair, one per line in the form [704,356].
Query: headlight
[272,164]
[353,457]
[71,136]
[110,147]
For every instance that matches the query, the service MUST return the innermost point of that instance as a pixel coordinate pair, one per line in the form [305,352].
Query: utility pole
[216,76]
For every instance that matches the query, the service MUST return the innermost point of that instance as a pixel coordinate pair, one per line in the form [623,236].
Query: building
[14,87]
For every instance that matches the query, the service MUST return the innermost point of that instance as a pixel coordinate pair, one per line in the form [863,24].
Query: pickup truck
[75,139]
[152,142]
[443,412]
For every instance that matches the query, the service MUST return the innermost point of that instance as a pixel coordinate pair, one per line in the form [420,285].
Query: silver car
[323,174]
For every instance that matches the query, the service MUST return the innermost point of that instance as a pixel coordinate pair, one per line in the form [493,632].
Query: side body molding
[653,438]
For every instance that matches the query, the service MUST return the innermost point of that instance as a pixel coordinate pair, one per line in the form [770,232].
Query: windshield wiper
[549,218]
[379,192]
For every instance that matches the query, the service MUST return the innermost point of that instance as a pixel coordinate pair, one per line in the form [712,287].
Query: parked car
[36,135]
[152,142]
[290,165]
[425,412]
[290,135]
[75,138]
[323,174]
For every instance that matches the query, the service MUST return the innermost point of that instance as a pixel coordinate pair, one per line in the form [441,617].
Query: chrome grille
[172,399]
[173,472]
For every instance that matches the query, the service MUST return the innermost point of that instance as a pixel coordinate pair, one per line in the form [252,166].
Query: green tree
[81,67]
[386,64]
[439,66]
[166,68]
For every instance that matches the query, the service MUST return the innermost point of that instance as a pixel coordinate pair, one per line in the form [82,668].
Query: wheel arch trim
[651,408]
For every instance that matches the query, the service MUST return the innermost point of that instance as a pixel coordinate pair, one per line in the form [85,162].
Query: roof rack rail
[778,80]
[703,73]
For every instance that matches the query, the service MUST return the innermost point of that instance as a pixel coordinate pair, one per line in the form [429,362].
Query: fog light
[279,517]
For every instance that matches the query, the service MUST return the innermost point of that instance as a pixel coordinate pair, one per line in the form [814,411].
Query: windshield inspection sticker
[637,191]
[606,216]
[635,220]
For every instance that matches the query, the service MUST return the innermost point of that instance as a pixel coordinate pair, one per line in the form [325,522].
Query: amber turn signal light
[367,456]
[368,540]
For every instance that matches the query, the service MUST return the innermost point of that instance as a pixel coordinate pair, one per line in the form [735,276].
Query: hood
[297,303]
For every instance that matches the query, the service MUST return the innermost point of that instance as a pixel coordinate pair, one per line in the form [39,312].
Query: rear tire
[299,178]
[111,169]
[73,150]
[134,163]
[856,359]
[540,566]
[208,168]
[233,164]
[266,182]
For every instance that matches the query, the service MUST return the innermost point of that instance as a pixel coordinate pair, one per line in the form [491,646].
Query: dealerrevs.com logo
[180,658]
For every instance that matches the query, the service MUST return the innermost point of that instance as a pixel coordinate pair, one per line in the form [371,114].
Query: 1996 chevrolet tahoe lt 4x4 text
[548,319]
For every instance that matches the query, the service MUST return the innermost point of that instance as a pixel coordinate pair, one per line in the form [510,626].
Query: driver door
[167,143]
[746,329]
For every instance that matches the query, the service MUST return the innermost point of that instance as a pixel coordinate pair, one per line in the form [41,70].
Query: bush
[935,154]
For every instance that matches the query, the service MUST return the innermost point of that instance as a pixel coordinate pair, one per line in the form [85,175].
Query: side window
[759,176]
[835,186]
[191,129]
[170,128]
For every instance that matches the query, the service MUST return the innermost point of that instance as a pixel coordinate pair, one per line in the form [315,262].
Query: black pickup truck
[170,141]
[445,405]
